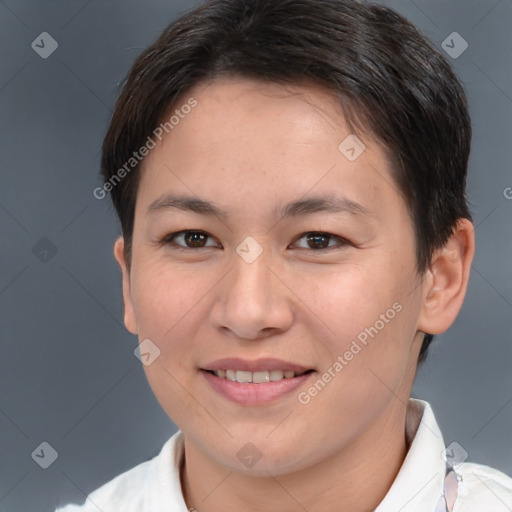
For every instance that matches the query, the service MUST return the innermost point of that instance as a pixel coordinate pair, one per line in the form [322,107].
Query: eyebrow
[333,203]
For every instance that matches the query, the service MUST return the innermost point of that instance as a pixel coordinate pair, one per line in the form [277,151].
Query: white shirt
[154,485]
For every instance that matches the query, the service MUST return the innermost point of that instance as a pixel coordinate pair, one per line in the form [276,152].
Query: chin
[269,461]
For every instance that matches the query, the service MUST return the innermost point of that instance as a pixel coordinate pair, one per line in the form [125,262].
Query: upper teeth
[256,377]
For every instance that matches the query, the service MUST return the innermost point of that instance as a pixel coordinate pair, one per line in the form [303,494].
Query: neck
[355,479]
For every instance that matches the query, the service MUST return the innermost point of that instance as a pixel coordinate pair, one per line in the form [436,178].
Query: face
[302,260]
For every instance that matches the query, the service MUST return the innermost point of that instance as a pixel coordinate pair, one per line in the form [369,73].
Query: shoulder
[127,491]
[483,488]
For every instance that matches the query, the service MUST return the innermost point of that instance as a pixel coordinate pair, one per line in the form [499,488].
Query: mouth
[258,377]
[255,383]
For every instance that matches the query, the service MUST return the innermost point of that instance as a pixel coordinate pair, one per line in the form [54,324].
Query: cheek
[369,319]
[351,299]
[162,297]
[167,305]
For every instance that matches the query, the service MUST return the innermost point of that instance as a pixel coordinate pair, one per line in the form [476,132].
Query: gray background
[68,375]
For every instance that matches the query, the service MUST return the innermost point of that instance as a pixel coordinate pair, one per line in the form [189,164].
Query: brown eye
[195,239]
[191,239]
[317,240]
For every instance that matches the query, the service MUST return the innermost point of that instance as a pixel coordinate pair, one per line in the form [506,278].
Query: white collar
[419,483]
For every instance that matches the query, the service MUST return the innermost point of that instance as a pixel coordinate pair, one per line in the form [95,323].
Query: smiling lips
[259,371]
[256,377]
[235,379]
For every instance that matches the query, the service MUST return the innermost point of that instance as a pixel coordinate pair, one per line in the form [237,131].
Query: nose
[253,301]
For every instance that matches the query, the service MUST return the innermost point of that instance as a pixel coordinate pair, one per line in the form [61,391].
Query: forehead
[244,107]
[267,141]
[250,94]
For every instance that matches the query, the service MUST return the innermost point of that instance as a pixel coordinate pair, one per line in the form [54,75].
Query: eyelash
[169,240]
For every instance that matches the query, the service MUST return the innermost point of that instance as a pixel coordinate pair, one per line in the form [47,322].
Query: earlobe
[447,280]
[129,313]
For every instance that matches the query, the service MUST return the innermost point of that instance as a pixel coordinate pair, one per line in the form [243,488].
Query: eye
[192,239]
[318,240]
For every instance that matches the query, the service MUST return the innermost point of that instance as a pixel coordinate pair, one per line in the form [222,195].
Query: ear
[129,314]
[446,280]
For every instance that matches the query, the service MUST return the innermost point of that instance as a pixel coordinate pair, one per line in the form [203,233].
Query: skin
[250,147]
